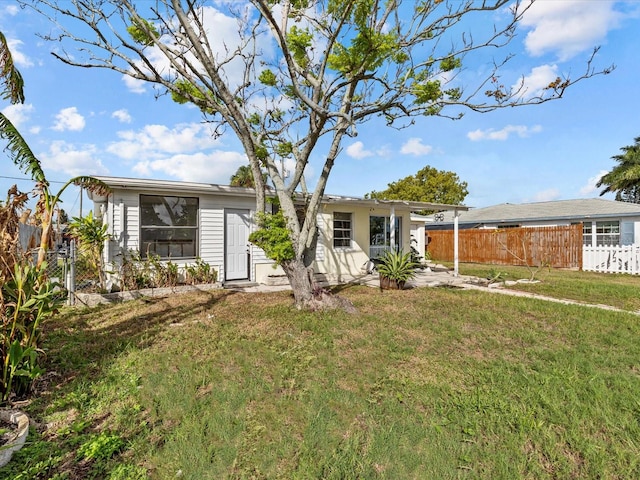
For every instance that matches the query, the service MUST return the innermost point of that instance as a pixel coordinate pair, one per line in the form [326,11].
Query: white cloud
[134,85]
[213,167]
[533,85]
[69,119]
[122,115]
[72,160]
[19,58]
[188,152]
[590,186]
[490,134]
[414,146]
[568,27]
[18,114]
[357,150]
[155,141]
[12,10]
[547,195]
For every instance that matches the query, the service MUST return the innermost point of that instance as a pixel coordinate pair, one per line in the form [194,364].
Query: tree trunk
[300,279]
[45,239]
[307,293]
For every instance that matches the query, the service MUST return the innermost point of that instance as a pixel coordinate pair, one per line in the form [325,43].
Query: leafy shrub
[128,472]
[273,237]
[28,298]
[152,272]
[91,234]
[200,272]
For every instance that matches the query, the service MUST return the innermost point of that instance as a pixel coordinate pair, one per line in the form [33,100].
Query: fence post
[71,274]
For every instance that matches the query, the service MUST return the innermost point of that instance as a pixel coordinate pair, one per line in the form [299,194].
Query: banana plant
[28,299]
[48,202]
[92,235]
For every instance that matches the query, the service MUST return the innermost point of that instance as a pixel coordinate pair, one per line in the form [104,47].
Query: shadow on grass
[81,343]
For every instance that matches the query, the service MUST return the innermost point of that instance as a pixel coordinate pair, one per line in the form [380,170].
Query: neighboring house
[182,221]
[605,222]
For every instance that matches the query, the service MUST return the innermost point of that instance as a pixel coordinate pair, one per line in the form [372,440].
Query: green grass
[426,383]
[617,290]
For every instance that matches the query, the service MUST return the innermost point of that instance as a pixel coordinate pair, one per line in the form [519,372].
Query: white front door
[236,244]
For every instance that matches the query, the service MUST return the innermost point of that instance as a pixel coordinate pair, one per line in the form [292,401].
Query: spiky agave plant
[397,266]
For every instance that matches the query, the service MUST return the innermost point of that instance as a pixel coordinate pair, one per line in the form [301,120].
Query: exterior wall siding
[122,213]
[123,216]
[349,262]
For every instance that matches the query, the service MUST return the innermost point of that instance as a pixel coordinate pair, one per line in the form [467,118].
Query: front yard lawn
[617,290]
[425,383]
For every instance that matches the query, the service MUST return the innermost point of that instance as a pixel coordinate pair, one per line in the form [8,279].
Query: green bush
[28,298]
[101,447]
[273,237]
[152,272]
[201,272]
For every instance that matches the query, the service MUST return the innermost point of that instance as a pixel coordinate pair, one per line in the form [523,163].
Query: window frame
[607,233]
[170,245]
[335,229]
[386,242]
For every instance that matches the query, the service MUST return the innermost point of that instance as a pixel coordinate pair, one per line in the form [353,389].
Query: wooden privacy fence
[559,247]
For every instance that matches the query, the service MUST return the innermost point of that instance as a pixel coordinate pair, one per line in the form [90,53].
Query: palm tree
[243,177]
[624,179]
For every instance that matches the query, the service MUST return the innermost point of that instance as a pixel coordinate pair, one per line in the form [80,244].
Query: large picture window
[168,226]
[341,229]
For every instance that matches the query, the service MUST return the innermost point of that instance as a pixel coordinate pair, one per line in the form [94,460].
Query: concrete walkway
[565,301]
[433,277]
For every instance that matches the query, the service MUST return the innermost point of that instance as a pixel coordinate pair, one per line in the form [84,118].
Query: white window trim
[351,231]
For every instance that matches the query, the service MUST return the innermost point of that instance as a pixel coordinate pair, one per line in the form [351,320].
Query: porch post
[392,227]
[455,243]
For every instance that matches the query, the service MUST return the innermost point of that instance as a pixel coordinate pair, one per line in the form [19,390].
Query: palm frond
[92,184]
[9,74]
[625,176]
[18,148]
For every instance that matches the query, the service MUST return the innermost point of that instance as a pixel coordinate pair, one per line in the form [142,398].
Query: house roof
[579,209]
[171,186]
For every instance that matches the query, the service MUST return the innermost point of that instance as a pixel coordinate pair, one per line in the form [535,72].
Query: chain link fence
[71,271]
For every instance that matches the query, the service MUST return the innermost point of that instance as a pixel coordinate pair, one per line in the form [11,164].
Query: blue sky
[95,122]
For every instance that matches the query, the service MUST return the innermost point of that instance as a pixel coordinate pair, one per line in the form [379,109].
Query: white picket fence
[612,259]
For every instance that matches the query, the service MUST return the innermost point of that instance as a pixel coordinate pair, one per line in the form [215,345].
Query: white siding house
[182,221]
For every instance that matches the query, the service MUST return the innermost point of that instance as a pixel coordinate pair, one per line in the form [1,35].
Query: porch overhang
[405,204]
[412,206]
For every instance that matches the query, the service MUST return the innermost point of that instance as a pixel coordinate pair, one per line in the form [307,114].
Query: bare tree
[300,75]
